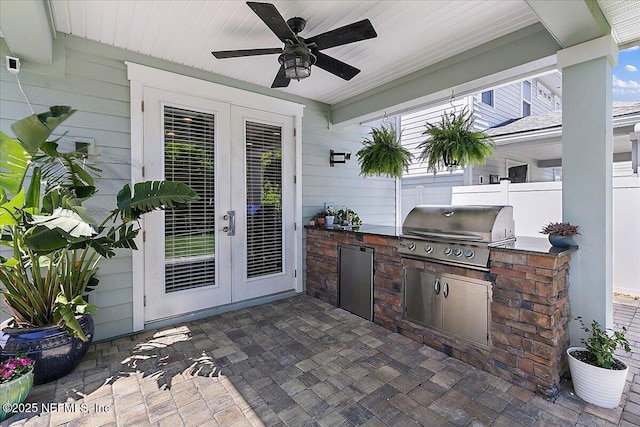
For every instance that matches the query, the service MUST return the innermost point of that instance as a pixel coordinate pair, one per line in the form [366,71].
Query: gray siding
[506,105]
[94,82]
[373,198]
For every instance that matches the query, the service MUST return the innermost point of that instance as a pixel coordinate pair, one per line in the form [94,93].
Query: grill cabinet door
[422,298]
[466,308]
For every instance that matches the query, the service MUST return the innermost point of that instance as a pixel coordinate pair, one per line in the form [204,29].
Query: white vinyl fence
[537,203]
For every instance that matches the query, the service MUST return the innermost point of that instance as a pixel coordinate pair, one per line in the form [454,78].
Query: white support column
[587,175]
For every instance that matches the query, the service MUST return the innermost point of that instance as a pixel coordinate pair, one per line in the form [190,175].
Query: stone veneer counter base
[529,309]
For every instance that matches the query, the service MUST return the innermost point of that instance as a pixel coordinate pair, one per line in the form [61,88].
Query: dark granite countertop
[379,230]
[525,244]
[534,245]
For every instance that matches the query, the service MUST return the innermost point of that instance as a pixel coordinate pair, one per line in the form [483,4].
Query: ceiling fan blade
[281,80]
[357,31]
[334,66]
[222,54]
[276,23]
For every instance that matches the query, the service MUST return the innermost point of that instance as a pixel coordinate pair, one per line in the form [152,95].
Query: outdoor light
[335,157]
[297,62]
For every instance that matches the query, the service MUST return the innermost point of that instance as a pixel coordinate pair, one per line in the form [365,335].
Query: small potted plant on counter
[561,233]
[320,218]
[329,216]
[598,376]
[347,216]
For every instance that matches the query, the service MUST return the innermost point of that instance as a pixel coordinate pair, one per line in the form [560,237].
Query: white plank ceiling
[411,34]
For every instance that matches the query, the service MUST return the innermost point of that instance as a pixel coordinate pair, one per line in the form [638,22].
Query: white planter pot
[600,386]
[329,220]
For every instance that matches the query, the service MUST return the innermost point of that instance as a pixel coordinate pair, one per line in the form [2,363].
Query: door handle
[231,228]
[445,291]
[436,287]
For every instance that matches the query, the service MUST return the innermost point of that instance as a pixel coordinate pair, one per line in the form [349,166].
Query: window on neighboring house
[526,98]
[487,97]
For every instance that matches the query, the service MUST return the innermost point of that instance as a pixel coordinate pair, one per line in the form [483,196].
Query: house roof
[553,120]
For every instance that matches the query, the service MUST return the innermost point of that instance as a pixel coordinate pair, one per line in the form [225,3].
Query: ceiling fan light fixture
[297,61]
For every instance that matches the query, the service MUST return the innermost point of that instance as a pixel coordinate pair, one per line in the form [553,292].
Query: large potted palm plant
[52,244]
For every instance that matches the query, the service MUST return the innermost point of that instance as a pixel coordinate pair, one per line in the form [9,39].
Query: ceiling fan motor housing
[296,24]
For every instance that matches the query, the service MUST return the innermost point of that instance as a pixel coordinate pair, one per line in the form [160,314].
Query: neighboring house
[491,108]
[531,141]
[539,137]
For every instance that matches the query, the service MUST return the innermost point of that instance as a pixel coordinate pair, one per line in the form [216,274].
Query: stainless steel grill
[457,235]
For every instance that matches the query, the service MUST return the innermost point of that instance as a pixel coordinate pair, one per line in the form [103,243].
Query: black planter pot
[55,352]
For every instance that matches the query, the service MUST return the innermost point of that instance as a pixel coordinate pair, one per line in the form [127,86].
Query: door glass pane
[189,231]
[264,199]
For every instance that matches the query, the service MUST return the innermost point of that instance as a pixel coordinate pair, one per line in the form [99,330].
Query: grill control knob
[469,253]
[428,248]
[457,252]
[447,250]
[412,246]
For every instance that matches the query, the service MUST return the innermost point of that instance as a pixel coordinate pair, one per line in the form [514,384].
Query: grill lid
[482,224]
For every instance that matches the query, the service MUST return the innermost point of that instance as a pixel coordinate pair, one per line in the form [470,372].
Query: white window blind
[264,199]
[189,231]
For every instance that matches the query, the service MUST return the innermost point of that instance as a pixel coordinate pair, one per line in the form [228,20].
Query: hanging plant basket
[453,142]
[383,154]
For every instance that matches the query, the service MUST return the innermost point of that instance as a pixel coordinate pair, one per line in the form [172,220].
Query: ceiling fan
[299,54]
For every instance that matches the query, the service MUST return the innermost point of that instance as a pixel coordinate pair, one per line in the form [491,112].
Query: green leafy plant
[330,211]
[561,229]
[383,154]
[602,345]
[56,245]
[348,215]
[453,142]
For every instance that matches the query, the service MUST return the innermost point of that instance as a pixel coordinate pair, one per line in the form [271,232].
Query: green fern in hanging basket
[382,154]
[453,142]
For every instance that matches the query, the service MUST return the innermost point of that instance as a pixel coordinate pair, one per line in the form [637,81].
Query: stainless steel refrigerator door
[356,280]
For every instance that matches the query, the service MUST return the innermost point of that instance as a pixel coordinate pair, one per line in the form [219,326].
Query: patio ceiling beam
[26,26]
[571,22]
[511,57]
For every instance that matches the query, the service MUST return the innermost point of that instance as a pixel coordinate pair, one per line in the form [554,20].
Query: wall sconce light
[338,157]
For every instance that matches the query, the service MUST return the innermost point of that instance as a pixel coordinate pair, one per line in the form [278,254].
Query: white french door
[263,250]
[237,241]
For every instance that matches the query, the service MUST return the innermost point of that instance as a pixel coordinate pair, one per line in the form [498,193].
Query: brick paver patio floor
[302,362]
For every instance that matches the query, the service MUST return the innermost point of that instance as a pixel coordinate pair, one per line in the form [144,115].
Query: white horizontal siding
[373,198]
